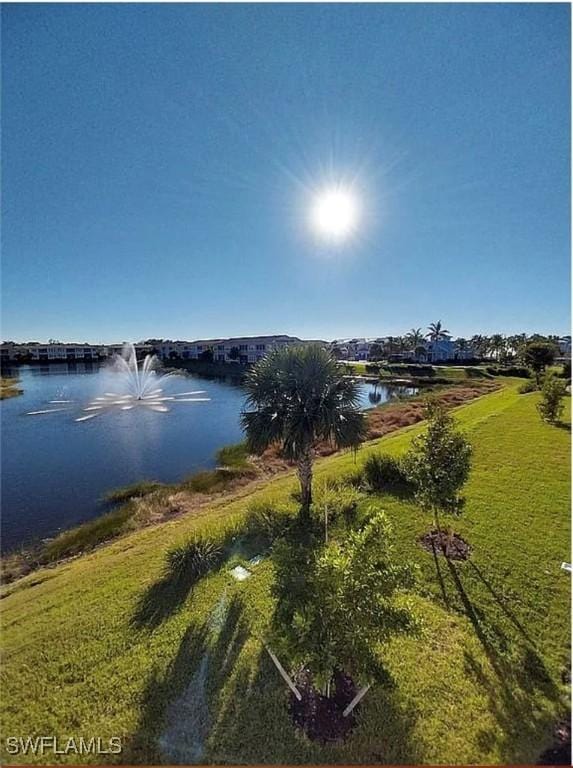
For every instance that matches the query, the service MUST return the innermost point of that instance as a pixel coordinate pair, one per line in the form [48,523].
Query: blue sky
[159,163]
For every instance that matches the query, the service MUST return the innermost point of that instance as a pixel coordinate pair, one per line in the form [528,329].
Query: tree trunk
[440,533]
[305,478]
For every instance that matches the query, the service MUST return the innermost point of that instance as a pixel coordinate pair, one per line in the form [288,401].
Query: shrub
[527,387]
[517,371]
[552,394]
[337,498]
[212,480]
[195,558]
[268,520]
[235,455]
[89,534]
[385,473]
[132,491]
[538,355]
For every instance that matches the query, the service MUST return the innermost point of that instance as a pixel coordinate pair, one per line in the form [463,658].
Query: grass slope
[95,647]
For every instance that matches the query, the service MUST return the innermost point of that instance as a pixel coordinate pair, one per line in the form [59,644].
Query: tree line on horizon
[503,348]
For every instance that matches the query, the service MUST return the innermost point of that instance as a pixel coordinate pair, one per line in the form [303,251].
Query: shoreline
[136,510]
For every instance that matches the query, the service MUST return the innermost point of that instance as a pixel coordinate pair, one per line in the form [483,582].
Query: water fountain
[140,386]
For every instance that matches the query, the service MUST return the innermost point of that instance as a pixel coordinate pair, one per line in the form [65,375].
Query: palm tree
[516,344]
[299,397]
[436,332]
[477,343]
[497,345]
[415,337]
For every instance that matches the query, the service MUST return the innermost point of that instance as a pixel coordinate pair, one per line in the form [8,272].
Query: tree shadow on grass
[167,595]
[162,599]
[176,705]
[500,601]
[517,680]
[162,688]
[221,699]
[440,577]
[253,724]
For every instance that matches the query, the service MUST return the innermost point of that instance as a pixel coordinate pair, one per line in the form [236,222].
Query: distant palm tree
[436,332]
[516,344]
[414,337]
[299,397]
[479,344]
[497,345]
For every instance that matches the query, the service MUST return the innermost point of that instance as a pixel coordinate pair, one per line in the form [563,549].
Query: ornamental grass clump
[384,473]
[194,558]
[268,520]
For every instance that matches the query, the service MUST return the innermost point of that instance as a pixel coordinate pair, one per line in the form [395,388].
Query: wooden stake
[361,693]
[284,675]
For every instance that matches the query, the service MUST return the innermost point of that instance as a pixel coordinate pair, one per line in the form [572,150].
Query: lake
[55,471]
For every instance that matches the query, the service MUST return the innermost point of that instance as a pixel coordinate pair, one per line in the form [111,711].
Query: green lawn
[84,655]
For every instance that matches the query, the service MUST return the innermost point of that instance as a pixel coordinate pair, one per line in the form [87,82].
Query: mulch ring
[319,716]
[440,542]
[560,751]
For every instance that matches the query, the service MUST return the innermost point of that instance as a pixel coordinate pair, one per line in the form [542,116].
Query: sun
[335,214]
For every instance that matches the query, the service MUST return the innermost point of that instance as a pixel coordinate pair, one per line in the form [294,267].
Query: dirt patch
[320,717]
[440,542]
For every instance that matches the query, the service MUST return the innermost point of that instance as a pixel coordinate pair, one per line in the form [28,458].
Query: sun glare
[335,214]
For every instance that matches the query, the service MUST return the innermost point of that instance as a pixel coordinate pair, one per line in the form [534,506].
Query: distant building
[361,349]
[238,350]
[564,345]
[35,352]
[442,351]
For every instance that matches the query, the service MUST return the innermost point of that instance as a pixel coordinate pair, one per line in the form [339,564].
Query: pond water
[55,471]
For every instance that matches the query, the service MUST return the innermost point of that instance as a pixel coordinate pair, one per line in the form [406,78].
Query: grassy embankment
[9,387]
[149,502]
[419,373]
[103,646]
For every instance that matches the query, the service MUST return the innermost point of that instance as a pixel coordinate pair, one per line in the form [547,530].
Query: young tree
[299,397]
[538,355]
[438,466]
[552,393]
[337,605]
